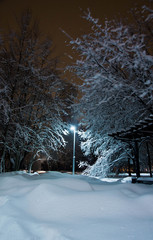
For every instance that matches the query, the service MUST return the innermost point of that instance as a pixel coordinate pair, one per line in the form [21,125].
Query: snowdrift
[56,206]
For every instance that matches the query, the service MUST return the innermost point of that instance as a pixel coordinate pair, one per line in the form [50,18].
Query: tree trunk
[29,167]
[3,160]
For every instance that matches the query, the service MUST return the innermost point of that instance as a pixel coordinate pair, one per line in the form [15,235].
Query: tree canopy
[32,106]
[115,65]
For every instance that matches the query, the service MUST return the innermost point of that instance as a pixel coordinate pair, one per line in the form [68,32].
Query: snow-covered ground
[56,206]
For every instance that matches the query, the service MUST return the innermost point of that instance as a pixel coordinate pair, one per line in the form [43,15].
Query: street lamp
[74,131]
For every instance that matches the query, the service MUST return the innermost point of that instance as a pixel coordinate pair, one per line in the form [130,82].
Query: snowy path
[56,206]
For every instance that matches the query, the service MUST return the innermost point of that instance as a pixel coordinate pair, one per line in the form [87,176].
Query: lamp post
[74,131]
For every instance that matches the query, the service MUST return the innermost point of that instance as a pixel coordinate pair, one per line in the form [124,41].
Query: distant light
[73,128]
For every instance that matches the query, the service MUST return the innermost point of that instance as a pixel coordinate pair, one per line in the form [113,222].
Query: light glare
[72,128]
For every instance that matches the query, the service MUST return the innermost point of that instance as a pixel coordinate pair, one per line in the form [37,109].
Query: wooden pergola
[141,132]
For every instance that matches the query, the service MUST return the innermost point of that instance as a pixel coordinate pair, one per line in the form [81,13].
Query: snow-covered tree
[32,111]
[115,65]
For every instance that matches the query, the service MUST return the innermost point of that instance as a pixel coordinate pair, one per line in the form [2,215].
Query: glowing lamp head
[72,128]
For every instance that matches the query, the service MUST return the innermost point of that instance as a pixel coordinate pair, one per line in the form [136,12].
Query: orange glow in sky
[64,14]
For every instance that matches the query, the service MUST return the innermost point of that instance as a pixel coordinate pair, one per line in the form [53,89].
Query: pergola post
[137,159]
[149,160]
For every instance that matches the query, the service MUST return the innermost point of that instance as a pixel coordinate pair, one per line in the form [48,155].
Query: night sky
[64,14]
